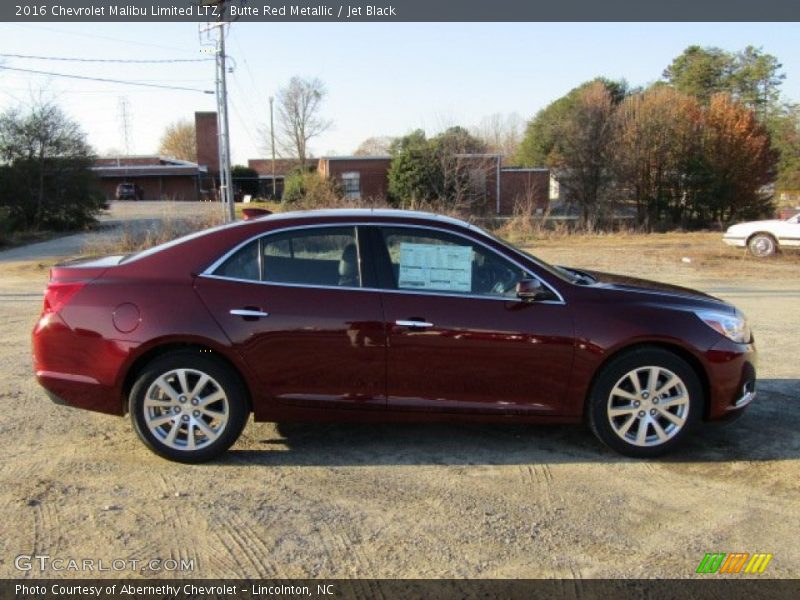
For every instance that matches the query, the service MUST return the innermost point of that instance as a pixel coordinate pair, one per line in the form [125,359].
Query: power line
[246,99]
[244,60]
[109,60]
[151,85]
[244,124]
[116,40]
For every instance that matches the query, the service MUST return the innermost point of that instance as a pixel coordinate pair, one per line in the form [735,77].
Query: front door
[459,338]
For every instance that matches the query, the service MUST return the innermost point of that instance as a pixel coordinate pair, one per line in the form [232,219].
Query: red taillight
[58,294]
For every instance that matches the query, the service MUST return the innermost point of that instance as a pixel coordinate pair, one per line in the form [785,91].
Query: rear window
[326,256]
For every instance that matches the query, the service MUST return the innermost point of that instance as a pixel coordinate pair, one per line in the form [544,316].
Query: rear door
[295,306]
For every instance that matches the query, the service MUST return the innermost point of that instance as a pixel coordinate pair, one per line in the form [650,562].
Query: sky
[381,78]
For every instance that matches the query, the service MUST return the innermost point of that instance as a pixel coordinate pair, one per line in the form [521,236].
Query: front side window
[326,256]
[432,261]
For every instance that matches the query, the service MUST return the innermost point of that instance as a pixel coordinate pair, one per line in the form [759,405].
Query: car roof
[365,214]
[309,217]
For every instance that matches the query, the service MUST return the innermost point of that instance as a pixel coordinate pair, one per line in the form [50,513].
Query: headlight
[734,327]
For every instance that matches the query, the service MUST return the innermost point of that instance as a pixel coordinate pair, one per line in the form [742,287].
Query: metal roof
[354,157]
[147,170]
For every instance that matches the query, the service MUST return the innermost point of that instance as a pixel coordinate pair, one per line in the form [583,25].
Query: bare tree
[501,133]
[179,141]
[375,146]
[298,116]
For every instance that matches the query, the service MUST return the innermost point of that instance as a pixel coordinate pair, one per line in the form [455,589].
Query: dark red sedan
[381,315]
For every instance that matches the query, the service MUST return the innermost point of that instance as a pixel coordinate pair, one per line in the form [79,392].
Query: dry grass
[657,255]
[661,255]
[334,201]
[138,236]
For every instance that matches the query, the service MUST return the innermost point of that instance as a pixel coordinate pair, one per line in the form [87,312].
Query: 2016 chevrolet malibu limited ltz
[381,315]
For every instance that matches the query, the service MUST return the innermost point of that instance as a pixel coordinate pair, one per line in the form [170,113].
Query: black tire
[762,245]
[185,370]
[609,412]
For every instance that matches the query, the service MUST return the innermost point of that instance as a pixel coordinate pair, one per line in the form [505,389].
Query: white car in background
[765,238]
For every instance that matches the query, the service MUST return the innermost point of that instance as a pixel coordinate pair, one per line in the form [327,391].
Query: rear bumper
[84,375]
[79,392]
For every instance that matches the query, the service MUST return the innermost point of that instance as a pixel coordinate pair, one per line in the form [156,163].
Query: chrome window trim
[209,271]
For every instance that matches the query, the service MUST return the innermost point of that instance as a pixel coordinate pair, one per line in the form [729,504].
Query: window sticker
[435,267]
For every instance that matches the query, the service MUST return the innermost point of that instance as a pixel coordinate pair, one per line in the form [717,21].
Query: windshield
[562,273]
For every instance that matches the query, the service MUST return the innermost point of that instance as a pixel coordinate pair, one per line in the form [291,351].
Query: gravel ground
[408,500]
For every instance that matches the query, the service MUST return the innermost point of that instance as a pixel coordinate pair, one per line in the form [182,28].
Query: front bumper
[731,370]
[735,240]
[748,395]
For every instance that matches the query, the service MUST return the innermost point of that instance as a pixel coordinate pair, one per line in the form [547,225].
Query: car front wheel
[762,245]
[188,408]
[644,403]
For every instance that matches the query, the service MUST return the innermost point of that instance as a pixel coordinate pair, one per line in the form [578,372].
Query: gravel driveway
[407,500]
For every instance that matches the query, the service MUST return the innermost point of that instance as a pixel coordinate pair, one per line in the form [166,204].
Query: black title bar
[399,10]
[712,587]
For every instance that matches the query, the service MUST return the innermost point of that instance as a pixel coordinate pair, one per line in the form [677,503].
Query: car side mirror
[530,290]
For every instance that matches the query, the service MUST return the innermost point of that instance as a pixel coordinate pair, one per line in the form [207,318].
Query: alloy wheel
[186,409]
[648,406]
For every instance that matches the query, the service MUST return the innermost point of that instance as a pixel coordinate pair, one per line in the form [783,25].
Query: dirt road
[415,501]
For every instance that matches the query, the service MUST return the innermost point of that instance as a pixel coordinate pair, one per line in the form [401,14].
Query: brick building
[492,188]
[207,141]
[264,167]
[359,176]
[158,177]
[166,178]
[518,185]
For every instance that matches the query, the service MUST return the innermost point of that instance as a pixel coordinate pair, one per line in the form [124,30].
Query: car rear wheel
[188,408]
[762,245]
[644,403]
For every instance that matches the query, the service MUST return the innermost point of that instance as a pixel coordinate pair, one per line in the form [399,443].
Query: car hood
[754,225]
[623,283]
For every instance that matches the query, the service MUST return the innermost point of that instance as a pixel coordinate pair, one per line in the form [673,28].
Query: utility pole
[223,128]
[226,184]
[272,135]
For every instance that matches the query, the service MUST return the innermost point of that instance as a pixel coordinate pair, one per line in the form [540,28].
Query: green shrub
[310,190]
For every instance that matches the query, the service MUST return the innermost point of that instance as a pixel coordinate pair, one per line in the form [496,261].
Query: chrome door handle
[417,324]
[246,312]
